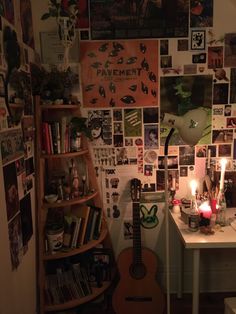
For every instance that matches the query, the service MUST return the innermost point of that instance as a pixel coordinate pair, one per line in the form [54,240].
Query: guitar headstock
[135,189]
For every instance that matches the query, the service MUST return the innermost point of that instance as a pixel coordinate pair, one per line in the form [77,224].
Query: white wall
[18,287]
[218,268]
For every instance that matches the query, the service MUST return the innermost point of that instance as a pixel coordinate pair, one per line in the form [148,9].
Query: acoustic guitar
[137,291]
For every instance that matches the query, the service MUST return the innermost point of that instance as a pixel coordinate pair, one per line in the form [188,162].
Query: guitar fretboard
[137,250]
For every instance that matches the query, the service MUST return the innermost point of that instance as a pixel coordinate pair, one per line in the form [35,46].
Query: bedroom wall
[217,269]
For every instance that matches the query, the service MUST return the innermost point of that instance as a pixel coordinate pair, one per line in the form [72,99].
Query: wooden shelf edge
[73,201]
[62,106]
[65,155]
[91,244]
[71,304]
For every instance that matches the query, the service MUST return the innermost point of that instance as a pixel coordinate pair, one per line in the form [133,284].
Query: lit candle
[173,183]
[223,163]
[208,158]
[205,210]
[193,185]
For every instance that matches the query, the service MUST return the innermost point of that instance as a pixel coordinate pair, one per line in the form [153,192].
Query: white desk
[197,241]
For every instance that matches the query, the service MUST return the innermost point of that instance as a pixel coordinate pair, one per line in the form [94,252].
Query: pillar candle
[223,163]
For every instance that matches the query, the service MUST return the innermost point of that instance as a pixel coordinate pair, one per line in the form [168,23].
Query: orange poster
[119,73]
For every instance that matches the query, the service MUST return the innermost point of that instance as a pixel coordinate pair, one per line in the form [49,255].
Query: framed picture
[198,39]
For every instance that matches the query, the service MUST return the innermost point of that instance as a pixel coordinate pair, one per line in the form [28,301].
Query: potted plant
[78,127]
[53,84]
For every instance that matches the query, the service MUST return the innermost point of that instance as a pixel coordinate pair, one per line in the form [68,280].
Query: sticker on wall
[128,229]
[198,39]
[130,67]
[149,217]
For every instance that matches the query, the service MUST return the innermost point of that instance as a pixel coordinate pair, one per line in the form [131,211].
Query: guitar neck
[137,251]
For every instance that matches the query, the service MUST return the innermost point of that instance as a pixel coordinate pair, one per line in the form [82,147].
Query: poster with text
[139,19]
[119,73]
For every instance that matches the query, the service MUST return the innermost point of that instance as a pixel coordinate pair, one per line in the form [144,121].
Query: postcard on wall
[15,238]
[119,73]
[201,13]
[52,50]
[11,190]
[26,218]
[144,19]
[12,146]
[26,22]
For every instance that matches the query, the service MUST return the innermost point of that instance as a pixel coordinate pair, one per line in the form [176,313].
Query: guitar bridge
[138,299]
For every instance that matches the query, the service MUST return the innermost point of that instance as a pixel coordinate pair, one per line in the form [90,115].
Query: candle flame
[193,185]
[223,163]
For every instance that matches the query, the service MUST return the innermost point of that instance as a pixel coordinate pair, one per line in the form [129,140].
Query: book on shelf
[83,212]
[46,146]
[63,124]
[81,278]
[97,223]
[77,224]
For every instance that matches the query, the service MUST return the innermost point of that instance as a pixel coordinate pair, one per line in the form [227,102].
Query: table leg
[196,260]
[181,268]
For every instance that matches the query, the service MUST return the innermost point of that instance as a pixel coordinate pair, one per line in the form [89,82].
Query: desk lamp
[190,127]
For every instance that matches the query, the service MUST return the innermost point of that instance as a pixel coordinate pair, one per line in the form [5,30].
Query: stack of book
[56,137]
[66,285]
[83,227]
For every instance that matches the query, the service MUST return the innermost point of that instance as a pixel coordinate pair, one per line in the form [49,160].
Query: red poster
[119,73]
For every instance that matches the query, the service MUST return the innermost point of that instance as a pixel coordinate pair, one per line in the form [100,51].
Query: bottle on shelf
[193,221]
[221,211]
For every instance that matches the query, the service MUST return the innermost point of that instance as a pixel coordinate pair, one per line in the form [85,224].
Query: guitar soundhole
[137,271]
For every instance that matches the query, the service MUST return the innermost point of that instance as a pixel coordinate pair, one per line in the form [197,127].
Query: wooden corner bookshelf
[72,210]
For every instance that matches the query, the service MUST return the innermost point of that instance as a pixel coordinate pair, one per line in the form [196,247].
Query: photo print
[231,122]
[11,190]
[150,115]
[186,155]
[230,50]
[233,85]
[172,162]
[164,47]
[222,136]
[100,124]
[151,136]
[215,57]
[182,45]
[181,94]
[201,13]
[16,242]
[224,150]
[220,93]
[26,219]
